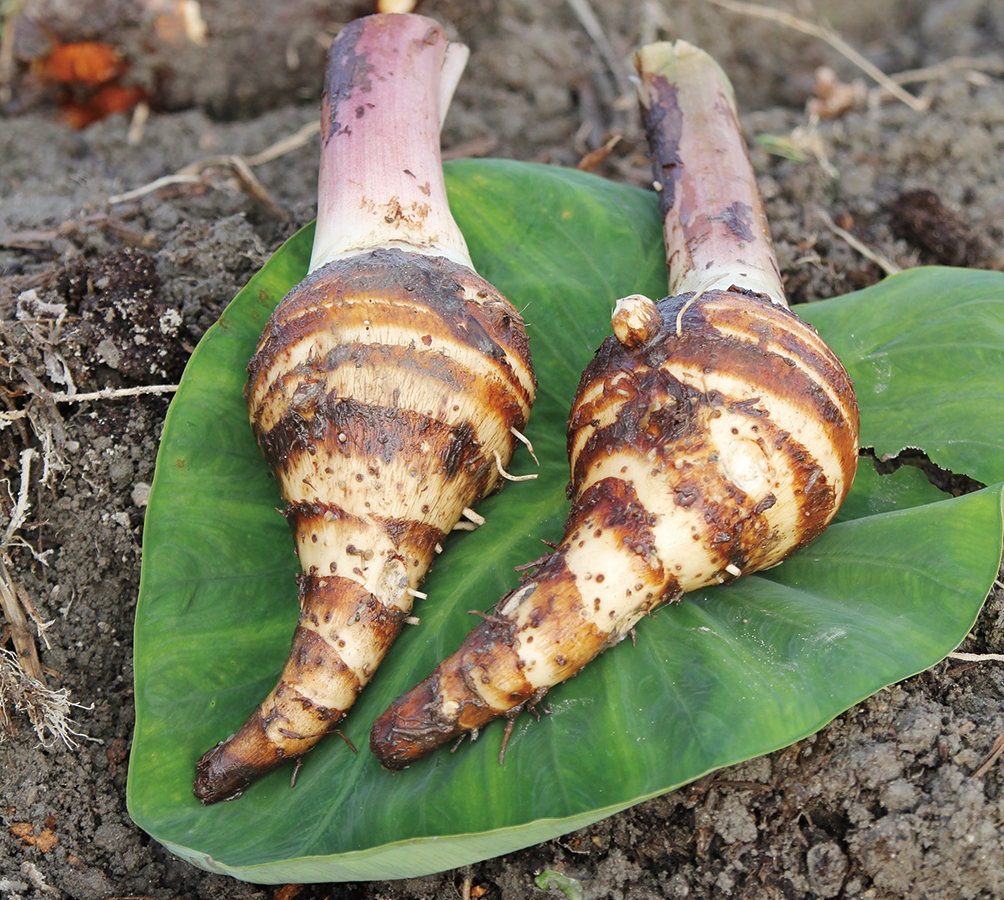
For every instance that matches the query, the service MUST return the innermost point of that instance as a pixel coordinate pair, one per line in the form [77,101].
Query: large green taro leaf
[725,675]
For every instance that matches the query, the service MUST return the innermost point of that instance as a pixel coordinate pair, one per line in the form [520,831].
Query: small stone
[141,493]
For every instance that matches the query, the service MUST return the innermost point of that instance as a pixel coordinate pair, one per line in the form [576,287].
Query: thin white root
[465,526]
[47,710]
[526,443]
[103,394]
[733,570]
[412,620]
[411,592]
[506,475]
[438,548]
[476,518]
[22,505]
[683,309]
[688,304]
[8,416]
[710,286]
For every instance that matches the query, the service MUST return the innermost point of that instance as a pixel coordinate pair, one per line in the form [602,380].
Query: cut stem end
[388,83]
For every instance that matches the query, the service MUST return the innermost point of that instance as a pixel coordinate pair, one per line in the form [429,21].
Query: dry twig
[990,759]
[286,145]
[918,104]
[240,165]
[36,239]
[152,187]
[587,18]
[14,602]
[890,268]
[991,64]
[24,643]
[7,416]
[977,657]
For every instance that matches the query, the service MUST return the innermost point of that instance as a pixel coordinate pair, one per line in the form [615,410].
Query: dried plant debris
[83,77]
[833,97]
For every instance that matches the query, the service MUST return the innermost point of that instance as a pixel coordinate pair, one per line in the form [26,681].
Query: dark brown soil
[882,803]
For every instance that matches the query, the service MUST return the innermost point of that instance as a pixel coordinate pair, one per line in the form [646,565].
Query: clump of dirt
[890,800]
[925,221]
[125,323]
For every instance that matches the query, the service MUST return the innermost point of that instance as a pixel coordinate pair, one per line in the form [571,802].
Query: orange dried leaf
[26,832]
[86,62]
[105,101]
[288,892]
[114,98]
[77,115]
[833,97]
[45,841]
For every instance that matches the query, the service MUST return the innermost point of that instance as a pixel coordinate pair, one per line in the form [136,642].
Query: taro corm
[712,434]
[387,390]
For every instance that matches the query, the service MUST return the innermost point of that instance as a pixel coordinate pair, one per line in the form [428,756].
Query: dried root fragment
[48,710]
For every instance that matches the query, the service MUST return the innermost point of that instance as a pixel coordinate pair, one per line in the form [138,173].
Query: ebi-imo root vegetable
[384,391]
[711,436]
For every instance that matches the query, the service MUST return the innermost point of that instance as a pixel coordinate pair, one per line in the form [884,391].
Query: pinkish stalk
[389,82]
[714,222]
